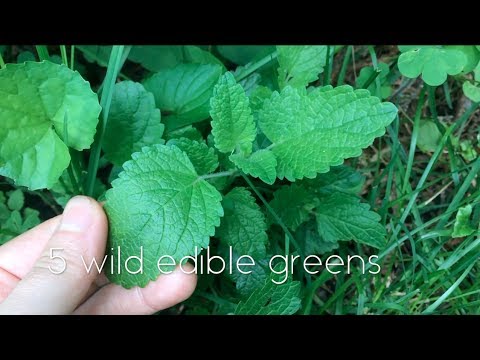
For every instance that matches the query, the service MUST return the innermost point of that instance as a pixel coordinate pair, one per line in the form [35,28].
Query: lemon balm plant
[193,148]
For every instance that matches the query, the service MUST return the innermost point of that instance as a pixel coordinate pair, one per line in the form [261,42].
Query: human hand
[28,286]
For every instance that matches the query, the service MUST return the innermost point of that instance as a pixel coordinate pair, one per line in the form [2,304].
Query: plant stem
[217,175]
[274,214]
[72,56]
[326,73]
[252,68]
[413,141]
[375,65]
[126,51]
[2,63]
[113,69]
[63,51]
[73,180]
[371,79]
[42,52]
[346,61]
[446,90]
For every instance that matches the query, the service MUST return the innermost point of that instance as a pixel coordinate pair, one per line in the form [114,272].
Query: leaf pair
[309,132]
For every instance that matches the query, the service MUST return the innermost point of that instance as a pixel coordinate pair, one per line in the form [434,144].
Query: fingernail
[77,215]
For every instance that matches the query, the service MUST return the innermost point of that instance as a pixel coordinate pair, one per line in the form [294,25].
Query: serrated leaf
[343,217]
[311,132]
[300,65]
[293,205]
[246,284]
[260,164]
[184,92]
[16,200]
[159,202]
[160,57]
[232,120]
[203,158]
[44,108]
[462,226]
[433,62]
[272,299]
[243,226]
[133,122]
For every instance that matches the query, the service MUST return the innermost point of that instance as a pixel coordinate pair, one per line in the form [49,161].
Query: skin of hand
[28,286]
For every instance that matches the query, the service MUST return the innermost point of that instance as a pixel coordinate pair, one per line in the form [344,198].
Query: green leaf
[433,62]
[30,219]
[311,132]
[243,54]
[339,179]
[250,83]
[243,226]
[272,299]
[470,52]
[203,158]
[462,227]
[261,164]
[13,221]
[63,190]
[428,136]
[364,76]
[96,53]
[16,200]
[188,132]
[159,202]
[160,57]
[246,284]
[311,242]
[184,92]
[293,205]
[300,65]
[133,122]
[467,150]
[44,108]
[343,217]
[471,91]
[232,120]
[25,56]
[258,97]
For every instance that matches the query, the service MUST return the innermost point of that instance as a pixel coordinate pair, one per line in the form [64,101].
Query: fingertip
[170,289]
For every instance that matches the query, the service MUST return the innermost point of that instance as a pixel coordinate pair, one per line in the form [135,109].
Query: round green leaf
[44,108]
[433,62]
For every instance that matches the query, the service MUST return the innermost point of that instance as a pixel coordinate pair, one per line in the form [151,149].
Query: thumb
[58,280]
